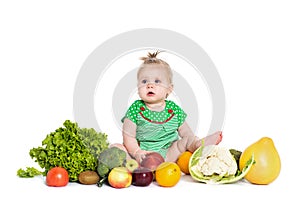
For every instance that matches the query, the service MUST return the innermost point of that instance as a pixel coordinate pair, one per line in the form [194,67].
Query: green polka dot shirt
[156,131]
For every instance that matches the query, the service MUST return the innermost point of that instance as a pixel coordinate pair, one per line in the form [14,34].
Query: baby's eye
[144,81]
[157,81]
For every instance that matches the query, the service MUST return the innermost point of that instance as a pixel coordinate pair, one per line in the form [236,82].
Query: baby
[154,123]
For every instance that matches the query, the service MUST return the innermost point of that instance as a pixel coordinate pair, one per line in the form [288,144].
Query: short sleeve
[132,112]
[179,112]
[181,117]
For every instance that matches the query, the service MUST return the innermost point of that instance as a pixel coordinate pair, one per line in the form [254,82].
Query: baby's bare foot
[214,138]
[211,139]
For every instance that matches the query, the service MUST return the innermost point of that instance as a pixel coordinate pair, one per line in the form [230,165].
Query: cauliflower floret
[216,160]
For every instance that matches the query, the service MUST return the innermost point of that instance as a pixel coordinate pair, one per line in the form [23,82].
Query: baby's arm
[130,142]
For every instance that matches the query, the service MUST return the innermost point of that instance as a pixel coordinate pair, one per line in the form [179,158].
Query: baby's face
[153,84]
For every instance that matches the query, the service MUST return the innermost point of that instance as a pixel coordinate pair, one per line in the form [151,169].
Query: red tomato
[57,177]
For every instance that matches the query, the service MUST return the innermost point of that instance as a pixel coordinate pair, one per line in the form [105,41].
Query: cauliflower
[216,164]
[216,160]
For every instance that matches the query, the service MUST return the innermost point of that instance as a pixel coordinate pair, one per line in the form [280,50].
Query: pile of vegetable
[71,147]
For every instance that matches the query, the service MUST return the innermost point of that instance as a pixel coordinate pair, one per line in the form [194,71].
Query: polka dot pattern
[170,108]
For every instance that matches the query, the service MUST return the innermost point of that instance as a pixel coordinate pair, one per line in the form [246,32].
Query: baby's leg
[179,147]
[191,143]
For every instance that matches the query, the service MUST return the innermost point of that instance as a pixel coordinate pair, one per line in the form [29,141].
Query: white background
[253,44]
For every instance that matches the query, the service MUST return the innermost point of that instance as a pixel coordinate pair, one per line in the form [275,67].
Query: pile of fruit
[119,172]
[152,168]
[98,164]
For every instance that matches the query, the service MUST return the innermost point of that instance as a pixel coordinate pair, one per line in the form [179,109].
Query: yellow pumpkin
[267,164]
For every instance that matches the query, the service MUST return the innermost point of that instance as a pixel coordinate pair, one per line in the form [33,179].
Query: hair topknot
[152,58]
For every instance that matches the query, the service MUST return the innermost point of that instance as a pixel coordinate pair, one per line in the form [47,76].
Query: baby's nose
[150,85]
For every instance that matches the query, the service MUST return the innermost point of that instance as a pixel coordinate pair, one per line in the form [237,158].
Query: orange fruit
[167,174]
[183,161]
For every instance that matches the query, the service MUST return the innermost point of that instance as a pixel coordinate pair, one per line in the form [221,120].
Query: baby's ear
[171,87]
[170,90]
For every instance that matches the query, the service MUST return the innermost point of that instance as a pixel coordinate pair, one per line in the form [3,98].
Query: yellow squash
[267,161]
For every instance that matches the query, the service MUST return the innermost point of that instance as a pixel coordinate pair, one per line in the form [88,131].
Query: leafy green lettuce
[71,147]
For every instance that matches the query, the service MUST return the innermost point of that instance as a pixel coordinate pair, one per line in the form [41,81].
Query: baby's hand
[140,155]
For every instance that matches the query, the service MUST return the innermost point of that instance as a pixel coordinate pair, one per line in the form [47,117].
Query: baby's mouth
[150,93]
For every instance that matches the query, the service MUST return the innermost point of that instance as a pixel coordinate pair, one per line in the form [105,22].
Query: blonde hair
[152,59]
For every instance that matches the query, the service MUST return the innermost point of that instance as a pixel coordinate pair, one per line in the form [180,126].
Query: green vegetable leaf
[29,172]
[71,147]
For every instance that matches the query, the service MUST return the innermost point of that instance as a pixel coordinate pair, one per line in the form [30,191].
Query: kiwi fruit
[88,177]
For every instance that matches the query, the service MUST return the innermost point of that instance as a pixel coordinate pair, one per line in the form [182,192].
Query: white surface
[186,188]
[254,45]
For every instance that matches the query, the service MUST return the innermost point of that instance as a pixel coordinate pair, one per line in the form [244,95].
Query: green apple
[119,177]
[131,164]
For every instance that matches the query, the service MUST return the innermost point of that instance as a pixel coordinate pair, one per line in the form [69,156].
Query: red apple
[142,177]
[152,160]
[119,177]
